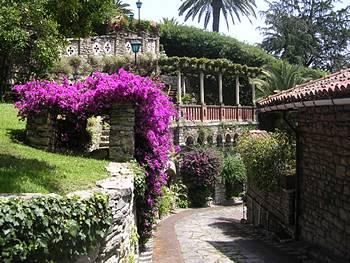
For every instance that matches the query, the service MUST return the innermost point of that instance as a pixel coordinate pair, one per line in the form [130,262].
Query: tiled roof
[334,86]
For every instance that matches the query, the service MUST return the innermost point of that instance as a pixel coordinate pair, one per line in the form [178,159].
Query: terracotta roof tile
[334,86]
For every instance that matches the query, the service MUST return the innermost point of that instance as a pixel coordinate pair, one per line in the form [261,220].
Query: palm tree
[232,8]
[122,8]
[281,76]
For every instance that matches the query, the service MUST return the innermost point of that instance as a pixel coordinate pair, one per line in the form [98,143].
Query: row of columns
[181,88]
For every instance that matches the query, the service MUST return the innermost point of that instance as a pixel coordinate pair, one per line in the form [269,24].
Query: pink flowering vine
[95,96]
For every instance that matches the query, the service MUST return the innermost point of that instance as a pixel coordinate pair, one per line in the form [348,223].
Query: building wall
[325,180]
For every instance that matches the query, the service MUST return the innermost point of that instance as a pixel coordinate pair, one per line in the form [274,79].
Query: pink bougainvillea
[96,95]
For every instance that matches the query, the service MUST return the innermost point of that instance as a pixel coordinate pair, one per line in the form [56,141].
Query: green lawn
[24,169]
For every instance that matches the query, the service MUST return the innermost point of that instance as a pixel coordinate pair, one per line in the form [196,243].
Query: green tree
[29,40]
[282,76]
[308,32]
[81,18]
[213,8]
[122,8]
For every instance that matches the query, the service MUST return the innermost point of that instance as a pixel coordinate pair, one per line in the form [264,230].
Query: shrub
[199,170]
[51,229]
[167,202]
[180,192]
[234,175]
[266,158]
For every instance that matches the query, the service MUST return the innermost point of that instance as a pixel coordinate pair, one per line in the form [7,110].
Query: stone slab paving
[217,236]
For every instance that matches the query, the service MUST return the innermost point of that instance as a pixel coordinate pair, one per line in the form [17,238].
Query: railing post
[204,113]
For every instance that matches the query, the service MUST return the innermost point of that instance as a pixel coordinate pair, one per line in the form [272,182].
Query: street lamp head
[135,46]
[139,4]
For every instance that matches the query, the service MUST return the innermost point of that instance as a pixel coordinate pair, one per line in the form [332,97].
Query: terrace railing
[217,113]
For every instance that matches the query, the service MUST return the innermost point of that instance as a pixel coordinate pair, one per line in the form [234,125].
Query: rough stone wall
[325,179]
[209,133]
[220,192]
[122,135]
[117,245]
[116,44]
[273,211]
[40,131]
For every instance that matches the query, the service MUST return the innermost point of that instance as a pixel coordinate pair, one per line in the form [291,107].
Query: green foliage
[208,66]
[139,179]
[80,18]
[266,158]
[185,41]
[282,76]
[180,194]
[122,23]
[308,32]
[167,202]
[30,41]
[213,8]
[234,175]
[25,169]
[51,229]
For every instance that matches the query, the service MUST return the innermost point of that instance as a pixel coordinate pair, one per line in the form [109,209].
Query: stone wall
[325,178]
[115,44]
[220,192]
[40,131]
[274,211]
[117,244]
[209,133]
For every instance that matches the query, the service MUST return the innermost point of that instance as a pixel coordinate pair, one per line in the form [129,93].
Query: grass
[24,169]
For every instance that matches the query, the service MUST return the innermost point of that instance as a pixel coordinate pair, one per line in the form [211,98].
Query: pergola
[216,67]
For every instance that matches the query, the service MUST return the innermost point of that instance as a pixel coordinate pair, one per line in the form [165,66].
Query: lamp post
[139,5]
[131,17]
[135,47]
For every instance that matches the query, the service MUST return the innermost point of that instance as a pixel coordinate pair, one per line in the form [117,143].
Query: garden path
[215,235]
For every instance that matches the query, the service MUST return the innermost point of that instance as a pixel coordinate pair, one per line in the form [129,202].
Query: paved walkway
[215,235]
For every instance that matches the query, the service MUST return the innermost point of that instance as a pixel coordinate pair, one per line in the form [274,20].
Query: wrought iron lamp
[135,47]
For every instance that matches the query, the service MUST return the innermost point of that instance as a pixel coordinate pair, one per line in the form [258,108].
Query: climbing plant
[94,96]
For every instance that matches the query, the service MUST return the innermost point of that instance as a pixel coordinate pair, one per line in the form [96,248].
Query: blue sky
[244,31]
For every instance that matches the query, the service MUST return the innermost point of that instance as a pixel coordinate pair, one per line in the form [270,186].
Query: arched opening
[189,141]
[201,138]
[210,140]
[219,140]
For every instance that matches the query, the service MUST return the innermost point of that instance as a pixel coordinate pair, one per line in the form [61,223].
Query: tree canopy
[29,40]
[308,32]
[233,9]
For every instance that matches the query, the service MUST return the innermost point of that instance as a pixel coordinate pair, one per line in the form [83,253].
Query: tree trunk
[216,5]
[4,75]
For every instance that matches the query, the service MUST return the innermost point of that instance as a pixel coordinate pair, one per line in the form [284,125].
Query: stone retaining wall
[114,44]
[117,245]
[274,211]
[325,178]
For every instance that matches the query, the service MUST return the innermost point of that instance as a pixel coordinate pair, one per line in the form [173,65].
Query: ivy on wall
[51,229]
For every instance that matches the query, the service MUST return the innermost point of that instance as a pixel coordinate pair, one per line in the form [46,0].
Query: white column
[253,94]
[237,91]
[201,82]
[179,95]
[221,99]
[183,84]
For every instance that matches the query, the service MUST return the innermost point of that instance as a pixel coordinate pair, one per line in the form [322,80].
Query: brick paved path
[215,235]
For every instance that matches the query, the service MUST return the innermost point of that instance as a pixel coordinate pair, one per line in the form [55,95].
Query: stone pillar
[221,99]
[201,82]
[179,95]
[40,131]
[122,135]
[237,91]
[220,192]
